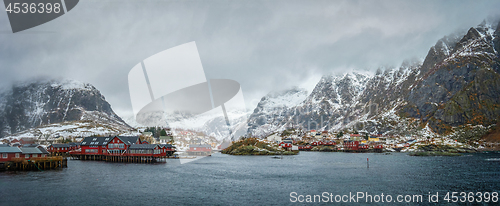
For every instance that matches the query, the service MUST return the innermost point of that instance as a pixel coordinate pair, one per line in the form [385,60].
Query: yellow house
[373,139]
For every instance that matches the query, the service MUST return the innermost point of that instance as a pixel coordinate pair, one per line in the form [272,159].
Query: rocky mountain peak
[457,83]
[34,103]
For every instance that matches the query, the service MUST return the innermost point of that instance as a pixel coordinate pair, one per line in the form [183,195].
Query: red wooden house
[30,152]
[27,141]
[58,148]
[144,150]
[203,149]
[93,145]
[167,149]
[305,147]
[285,145]
[74,145]
[119,145]
[363,146]
[7,153]
[351,145]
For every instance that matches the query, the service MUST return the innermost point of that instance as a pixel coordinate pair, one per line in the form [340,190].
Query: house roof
[30,150]
[9,149]
[128,139]
[102,141]
[143,146]
[30,145]
[95,141]
[60,145]
[43,150]
[166,145]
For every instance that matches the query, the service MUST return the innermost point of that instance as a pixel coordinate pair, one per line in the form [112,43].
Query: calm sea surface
[252,180]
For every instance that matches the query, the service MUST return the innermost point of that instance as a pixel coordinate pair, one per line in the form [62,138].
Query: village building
[8,153]
[121,149]
[58,149]
[373,139]
[274,138]
[324,134]
[200,150]
[30,152]
[165,139]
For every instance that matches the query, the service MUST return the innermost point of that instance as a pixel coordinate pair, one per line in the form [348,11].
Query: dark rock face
[39,103]
[463,87]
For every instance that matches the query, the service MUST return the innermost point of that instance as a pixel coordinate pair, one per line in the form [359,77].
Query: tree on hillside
[340,134]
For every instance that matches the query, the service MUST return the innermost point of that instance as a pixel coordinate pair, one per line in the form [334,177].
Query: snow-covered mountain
[457,83]
[272,110]
[31,106]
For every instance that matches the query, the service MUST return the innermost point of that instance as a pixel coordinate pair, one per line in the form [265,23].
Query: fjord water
[250,180]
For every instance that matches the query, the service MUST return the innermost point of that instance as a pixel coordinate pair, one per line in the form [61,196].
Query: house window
[27,156]
[35,155]
[17,155]
[4,155]
[94,139]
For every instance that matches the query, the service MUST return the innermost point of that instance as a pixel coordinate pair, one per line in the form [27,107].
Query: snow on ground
[68,130]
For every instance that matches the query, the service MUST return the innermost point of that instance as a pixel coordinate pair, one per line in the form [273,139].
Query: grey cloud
[264,45]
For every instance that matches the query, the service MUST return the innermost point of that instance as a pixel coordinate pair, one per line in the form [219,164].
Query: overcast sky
[264,45]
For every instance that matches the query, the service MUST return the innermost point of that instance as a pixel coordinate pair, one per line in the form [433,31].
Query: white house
[274,138]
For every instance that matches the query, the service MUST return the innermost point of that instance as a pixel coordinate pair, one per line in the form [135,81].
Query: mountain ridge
[435,95]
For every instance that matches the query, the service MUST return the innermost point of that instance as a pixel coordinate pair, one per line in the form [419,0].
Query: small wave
[493,159]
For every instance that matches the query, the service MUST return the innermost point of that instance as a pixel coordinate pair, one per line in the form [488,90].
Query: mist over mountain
[458,83]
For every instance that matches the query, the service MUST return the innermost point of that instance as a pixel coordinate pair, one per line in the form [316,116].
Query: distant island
[254,146]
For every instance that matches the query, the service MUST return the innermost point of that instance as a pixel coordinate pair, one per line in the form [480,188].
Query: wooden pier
[119,158]
[35,163]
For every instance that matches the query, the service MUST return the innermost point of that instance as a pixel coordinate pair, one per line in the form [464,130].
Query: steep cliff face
[33,104]
[463,88]
[456,84]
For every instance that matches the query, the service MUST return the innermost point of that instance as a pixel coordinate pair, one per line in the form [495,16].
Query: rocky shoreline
[441,150]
